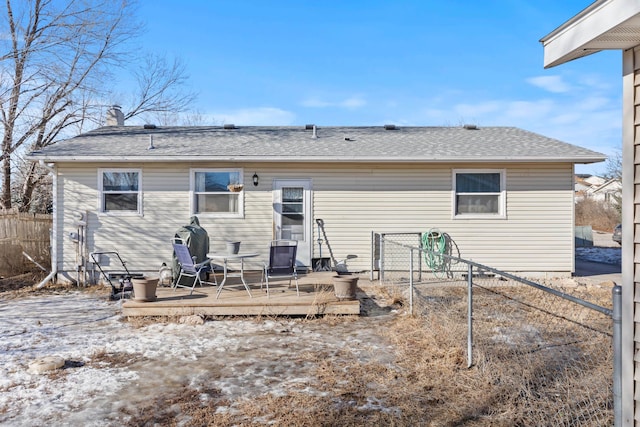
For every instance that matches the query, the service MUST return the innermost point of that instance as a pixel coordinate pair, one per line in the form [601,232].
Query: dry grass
[538,361]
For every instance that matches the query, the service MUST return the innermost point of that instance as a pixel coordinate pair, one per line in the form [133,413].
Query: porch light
[255,179]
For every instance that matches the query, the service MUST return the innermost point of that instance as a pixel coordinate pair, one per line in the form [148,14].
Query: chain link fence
[544,347]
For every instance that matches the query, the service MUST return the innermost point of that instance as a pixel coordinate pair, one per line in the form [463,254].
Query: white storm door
[292,215]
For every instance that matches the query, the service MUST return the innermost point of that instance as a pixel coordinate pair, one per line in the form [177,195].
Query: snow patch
[245,357]
[600,254]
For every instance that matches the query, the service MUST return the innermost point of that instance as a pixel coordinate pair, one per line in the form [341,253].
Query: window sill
[120,213]
[479,216]
[218,215]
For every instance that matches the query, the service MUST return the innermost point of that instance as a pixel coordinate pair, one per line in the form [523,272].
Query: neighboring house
[606,25]
[504,195]
[594,181]
[581,186]
[598,189]
[607,192]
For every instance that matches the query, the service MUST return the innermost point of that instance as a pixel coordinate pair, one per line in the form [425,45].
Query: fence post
[420,257]
[373,255]
[411,281]
[381,257]
[617,355]
[470,316]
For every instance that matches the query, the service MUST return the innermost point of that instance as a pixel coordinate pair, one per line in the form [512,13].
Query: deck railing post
[470,316]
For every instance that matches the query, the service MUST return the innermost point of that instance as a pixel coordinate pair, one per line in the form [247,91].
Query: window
[479,193]
[120,191]
[292,213]
[217,192]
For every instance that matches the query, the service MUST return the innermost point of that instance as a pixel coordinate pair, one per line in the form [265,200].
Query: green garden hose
[434,244]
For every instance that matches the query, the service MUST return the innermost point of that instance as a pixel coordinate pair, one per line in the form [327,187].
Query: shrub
[598,214]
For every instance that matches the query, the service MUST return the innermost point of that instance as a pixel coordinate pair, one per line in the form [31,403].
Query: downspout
[54,227]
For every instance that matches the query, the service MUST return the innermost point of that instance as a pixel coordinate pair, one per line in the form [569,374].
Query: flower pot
[344,286]
[233,248]
[144,288]
[235,188]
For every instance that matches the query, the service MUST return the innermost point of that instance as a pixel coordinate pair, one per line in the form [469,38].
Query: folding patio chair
[189,268]
[282,263]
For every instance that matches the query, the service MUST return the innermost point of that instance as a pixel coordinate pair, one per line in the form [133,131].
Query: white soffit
[605,25]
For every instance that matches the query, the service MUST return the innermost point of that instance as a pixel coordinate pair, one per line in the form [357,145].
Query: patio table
[232,257]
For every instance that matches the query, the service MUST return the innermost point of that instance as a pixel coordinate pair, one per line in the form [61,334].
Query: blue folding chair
[282,263]
[189,268]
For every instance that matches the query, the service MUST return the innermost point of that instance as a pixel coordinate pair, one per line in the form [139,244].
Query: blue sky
[407,62]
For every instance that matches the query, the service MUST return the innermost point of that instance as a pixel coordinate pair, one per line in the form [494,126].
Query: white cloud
[475,110]
[261,116]
[351,103]
[581,117]
[553,84]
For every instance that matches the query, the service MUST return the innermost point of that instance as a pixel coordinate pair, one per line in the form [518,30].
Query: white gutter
[339,159]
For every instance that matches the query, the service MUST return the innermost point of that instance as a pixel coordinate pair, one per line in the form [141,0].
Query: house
[599,189]
[581,186]
[503,194]
[606,25]
[608,192]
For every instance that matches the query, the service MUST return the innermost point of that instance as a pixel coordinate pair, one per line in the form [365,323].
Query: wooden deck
[316,298]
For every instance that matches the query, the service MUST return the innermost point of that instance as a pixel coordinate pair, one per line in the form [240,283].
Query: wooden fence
[24,233]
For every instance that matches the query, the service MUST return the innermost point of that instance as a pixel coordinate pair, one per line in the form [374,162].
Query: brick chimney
[115,116]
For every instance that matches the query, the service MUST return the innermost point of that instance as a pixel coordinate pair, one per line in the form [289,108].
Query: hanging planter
[235,188]
[233,248]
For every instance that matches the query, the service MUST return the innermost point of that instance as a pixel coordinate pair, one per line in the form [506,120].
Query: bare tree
[55,62]
[52,56]
[614,166]
[160,88]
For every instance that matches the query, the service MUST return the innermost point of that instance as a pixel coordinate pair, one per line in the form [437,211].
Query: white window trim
[101,206]
[192,194]
[502,202]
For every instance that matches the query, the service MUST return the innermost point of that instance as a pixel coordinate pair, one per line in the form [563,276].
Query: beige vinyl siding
[143,241]
[352,199]
[631,236]
[537,235]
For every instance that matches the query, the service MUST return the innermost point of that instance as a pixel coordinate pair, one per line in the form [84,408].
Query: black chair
[189,268]
[282,263]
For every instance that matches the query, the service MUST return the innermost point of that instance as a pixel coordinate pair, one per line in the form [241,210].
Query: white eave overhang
[604,25]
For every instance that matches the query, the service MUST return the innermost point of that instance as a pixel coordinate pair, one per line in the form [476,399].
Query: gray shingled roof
[297,144]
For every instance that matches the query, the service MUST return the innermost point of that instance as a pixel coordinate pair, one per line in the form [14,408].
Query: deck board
[316,298]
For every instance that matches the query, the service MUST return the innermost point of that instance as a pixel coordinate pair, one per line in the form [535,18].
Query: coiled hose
[434,244]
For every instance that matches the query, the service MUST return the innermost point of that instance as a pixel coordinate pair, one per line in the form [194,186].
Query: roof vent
[471,127]
[149,126]
[228,126]
[150,147]
[389,127]
[309,127]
